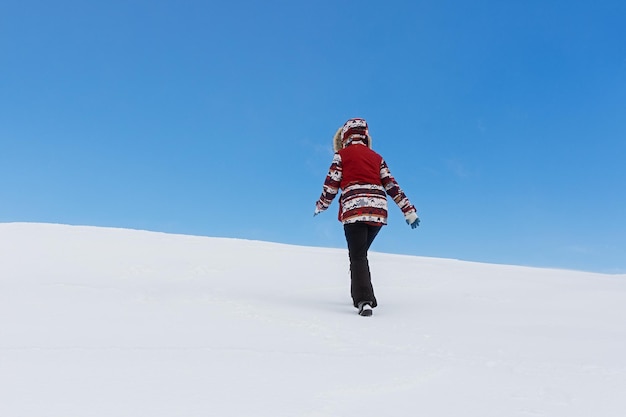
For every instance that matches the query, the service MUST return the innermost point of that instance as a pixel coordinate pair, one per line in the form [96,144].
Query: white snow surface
[116,322]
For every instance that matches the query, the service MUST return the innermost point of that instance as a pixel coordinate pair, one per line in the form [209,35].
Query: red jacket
[365,181]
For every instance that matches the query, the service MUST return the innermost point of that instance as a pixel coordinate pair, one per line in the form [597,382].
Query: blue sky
[504,122]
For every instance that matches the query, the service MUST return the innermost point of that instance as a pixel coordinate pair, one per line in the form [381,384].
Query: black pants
[360,237]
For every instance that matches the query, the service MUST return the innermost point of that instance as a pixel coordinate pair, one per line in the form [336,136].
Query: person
[365,181]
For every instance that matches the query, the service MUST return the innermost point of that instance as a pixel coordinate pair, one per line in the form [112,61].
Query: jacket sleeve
[331,184]
[393,189]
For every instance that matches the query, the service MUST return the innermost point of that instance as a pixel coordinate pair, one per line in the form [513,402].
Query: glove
[318,209]
[412,219]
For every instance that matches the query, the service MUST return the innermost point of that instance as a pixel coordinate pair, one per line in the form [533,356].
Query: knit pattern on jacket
[365,181]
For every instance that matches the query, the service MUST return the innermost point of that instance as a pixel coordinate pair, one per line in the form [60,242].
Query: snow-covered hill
[115,323]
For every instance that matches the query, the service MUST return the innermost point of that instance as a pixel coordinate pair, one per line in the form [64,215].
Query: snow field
[113,322]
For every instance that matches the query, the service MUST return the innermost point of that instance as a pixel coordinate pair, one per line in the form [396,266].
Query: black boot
[365,308]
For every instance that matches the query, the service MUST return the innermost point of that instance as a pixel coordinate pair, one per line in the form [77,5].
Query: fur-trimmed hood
[338,144]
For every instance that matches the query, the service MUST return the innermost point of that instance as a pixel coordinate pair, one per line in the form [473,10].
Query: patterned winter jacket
[364,178]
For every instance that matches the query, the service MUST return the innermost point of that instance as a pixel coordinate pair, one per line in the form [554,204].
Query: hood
[337,143]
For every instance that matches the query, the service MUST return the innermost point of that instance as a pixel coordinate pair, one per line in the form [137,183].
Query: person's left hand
[412,219]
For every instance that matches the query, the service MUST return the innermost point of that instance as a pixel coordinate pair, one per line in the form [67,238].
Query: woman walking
[365,181]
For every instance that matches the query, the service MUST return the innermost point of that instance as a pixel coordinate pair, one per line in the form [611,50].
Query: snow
[115,322]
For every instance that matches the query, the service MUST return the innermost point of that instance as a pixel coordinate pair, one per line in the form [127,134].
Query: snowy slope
[112,322]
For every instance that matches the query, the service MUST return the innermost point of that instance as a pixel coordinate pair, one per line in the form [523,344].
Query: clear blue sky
[504,122]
